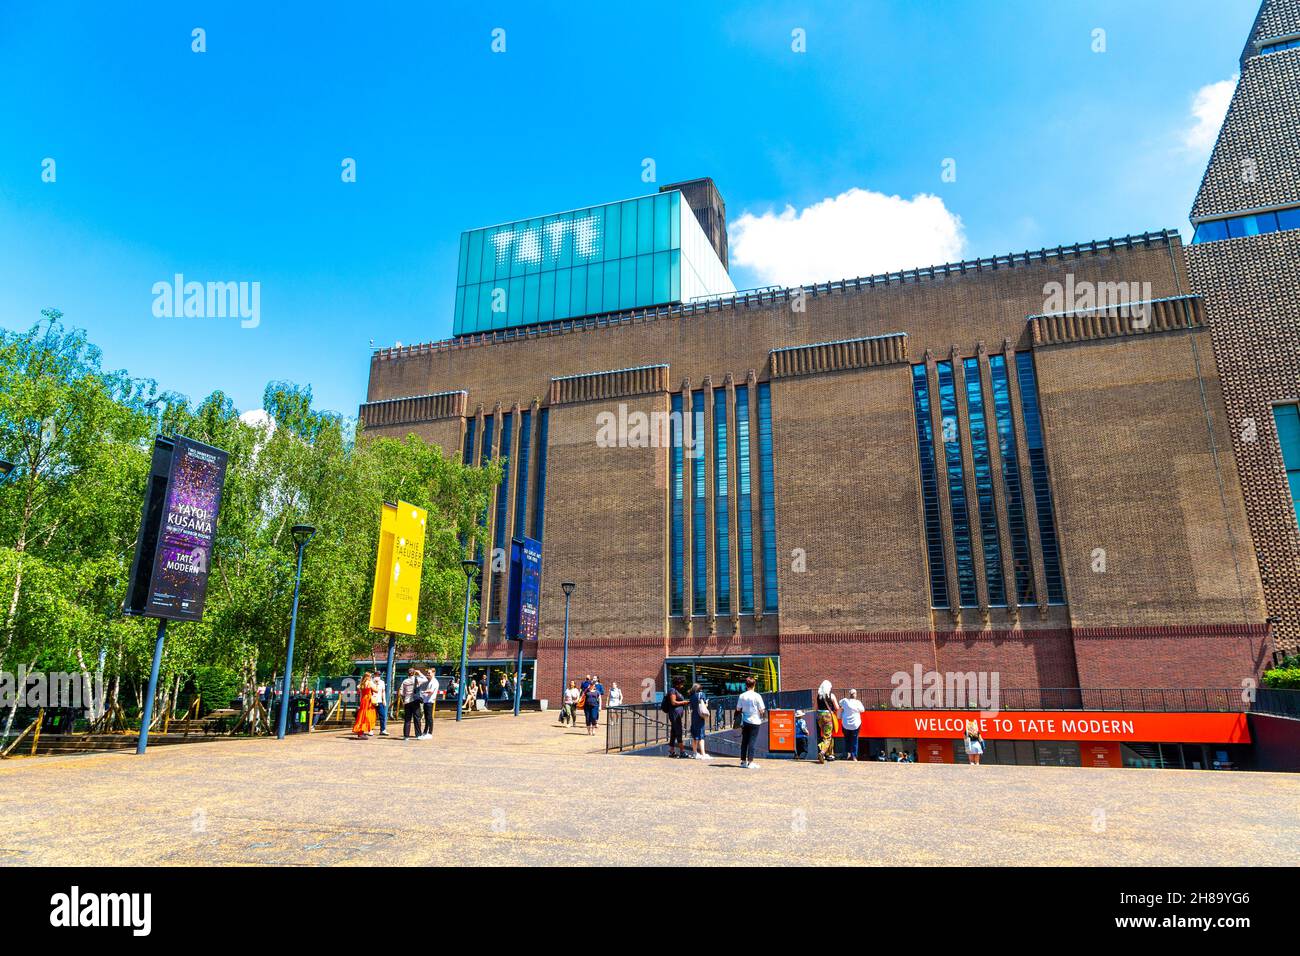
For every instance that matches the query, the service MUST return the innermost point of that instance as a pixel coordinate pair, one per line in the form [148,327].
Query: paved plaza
[504,790]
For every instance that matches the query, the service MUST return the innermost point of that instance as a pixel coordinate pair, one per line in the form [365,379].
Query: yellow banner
[395,605]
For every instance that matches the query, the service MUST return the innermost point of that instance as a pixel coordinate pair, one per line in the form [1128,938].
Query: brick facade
[1134,427]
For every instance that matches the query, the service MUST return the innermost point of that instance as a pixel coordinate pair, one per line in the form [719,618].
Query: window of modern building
[1287,418]
[1017,527]
[929,488]
[521,477]
[982,462]
[1280,45]
[1038,475]
[725,676]
[744,506]
[677,549]
[960,515]
[503,504]
[1253,224]
[467,457]
[539,494]
[721,513]
[699,514]
[767,492]
[484,456]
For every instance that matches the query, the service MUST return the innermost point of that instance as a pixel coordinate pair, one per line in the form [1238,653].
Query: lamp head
[302,533]
[469,567]
[567,587]
[5,468]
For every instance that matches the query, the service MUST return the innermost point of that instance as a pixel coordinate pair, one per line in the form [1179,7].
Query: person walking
[674,705]
[751,709]
[364,725]
[429,700]
[827,707]
[699,707]
[974,742]
[379,694]
[591,706]
[851,720]
[800,735]
[569,715]
[409,691]
[615,695]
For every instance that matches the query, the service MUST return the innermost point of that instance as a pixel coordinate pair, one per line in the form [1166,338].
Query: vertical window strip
[1038,474]
[961,531]
[503,502]
[485,456]
[677,554]
[721,511]
[929,488]
[744,521]
[767,489]
[699,517]
[521,476]
[539,494]
[1017,527]
[1287,420]
[982,460]
[468,456]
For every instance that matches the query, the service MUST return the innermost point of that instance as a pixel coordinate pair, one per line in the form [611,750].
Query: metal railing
[634,726]
[1282,702]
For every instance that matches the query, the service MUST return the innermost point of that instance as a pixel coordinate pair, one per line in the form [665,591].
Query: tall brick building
[1245,262]
[1002,464]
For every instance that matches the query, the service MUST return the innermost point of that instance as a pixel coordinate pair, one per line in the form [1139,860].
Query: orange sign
[1101,754]
[1120,727]
[780,731]
[934,751]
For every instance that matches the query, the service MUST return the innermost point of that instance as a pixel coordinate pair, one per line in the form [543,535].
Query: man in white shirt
[851,723]
[751,708]
[429,698]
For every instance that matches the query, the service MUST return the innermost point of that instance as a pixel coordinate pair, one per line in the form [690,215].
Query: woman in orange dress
[365,721]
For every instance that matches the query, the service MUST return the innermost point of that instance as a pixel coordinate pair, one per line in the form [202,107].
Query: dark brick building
[964,467]
[1245,262]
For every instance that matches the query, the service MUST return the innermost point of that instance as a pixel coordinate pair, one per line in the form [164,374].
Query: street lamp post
[567,587]
[469,567]
[302,533]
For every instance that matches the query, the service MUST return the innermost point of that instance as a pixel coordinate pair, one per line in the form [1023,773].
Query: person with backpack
[699,707]
[674,705]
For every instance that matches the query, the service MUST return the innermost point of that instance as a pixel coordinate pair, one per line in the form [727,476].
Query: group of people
[589,696]
[418,693]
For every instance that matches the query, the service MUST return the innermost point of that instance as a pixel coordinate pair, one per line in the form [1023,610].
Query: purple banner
[188,528]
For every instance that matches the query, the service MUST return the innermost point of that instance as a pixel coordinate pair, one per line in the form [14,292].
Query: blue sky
[225,165]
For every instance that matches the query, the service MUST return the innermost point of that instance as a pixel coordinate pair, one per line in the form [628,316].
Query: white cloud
[1208,108]
[857,233]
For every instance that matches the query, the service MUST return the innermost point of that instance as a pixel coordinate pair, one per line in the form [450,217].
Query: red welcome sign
[1062,725]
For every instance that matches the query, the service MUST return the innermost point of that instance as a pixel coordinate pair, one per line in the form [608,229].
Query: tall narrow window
[677,552]
[767,490]
[982,460]
[503,509]
[699,515]
[961,533]
[1038,475]
[744,521]
[721,513]
[1287,418]
[521,478]
[1017,527]
[485,456]
[539,494]
[929,488]
[468,456]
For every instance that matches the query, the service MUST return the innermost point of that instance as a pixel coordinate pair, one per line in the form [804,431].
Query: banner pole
[147,716]
[519,675]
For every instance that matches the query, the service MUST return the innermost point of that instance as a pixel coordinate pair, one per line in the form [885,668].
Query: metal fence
[633,726]
[1276,700]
